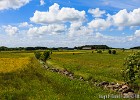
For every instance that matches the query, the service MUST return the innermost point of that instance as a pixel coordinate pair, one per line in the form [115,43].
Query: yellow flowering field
[12,64]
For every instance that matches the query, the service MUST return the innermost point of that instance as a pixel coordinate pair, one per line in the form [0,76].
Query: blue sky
[55,23]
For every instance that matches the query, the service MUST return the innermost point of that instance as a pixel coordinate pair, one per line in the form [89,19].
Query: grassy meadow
[23,78]
[87,64]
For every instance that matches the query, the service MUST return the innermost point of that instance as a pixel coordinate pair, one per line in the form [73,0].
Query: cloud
[57,15]
[137,33]
[100,24]
[48,29]
[121,19]
[77,29]
[10,30]
[42,2]
[12,4]
[96,12]
[125,18]
[25,24]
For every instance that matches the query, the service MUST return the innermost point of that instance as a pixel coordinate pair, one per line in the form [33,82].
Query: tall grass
[98,66]
[36,83]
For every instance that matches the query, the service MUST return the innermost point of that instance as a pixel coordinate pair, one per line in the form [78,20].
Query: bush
[45,55]
[109,51]
[42,56]
[99,51]
[131,72]
[114,52]
[37,54]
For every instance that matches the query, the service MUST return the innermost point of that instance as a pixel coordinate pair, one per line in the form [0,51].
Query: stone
[112,83]
[125,87]
[66,72]
[127,90]
[104,83]
[110,87]
[70,75]
[81,78]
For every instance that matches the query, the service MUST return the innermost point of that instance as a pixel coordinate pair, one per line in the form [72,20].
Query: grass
[30,81]
[9,65]
[36,83]
[98,66]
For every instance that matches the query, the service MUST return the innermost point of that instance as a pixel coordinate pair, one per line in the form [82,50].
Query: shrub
[45,55]
[99,51]
[114,52]
[37,54]
[109,51]
[42,56]
[131,72]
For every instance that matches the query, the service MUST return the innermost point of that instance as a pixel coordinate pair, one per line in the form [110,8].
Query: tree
[109,51]
[114,52]
[99,51]
[45,55]
[37,54]
[131,72]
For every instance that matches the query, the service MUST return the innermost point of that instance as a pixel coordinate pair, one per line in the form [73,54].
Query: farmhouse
[86,48]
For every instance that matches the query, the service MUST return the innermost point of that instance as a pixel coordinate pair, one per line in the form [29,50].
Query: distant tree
[99,51]
[3,48]
[109,51]
[114,52]
[131,72]
[123,49]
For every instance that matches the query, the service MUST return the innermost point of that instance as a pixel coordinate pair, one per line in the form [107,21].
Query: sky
[69,23]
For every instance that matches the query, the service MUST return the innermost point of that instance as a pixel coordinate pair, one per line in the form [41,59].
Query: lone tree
[45,55]
[42,56]
[109,51]
[114,52]
[131,72]
[37,54]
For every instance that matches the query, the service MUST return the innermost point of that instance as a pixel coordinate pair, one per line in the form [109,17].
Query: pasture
[23,78]
[87,64]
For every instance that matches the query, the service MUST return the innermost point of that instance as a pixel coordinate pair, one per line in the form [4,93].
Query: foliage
[131,72]
[37,54]
[45,55]
[99,51]
[113,51]
[109,51]
[42,56]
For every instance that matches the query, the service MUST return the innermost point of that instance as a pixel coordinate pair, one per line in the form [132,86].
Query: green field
[87,64]
[31,81]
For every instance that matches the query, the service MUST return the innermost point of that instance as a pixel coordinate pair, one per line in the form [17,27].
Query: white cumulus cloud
[12,4]
[99,24]
[137,33]
[77,29]
[48,29]
[25,24]
[125,18]
[10,30]
[42,2]
[96,12]
[57,15]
